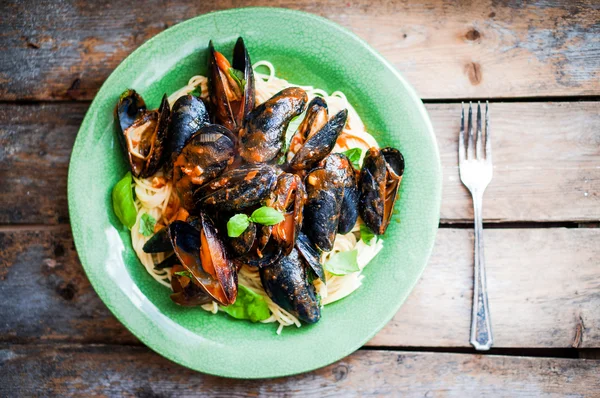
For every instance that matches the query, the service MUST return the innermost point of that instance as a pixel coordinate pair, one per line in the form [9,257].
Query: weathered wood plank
[543,288]
[66,50]
[136,371]
[546,157]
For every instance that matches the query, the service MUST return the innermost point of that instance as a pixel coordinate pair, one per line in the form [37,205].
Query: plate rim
[75,222]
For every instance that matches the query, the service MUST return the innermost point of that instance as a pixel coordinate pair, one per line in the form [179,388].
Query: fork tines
[475,147]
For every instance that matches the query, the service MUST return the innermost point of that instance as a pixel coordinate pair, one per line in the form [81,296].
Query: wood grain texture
[543,290]
[136,371]
[546,162]
[65,49]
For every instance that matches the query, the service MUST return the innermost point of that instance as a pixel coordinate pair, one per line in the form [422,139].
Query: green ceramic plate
[305,49]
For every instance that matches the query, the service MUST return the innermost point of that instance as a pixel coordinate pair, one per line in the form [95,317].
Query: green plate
[307,50]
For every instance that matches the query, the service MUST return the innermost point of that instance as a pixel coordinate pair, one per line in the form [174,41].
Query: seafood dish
[251,196]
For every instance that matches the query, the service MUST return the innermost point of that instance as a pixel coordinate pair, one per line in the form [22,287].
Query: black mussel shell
[379,182]
[237,189]
[262,139]
[349,210]
[189,114]
[286,283]
[311,255]
[204,157]
[319,145]
[168,262]
[186,291]
[129,108]
[243,243]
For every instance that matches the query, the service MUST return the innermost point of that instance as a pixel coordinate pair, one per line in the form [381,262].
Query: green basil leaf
[237,225]
[354,156]
[366,235]
[184,273]
[197,91]
[248,305]
[147,223]
[238,76]
[122,200]
[266,216]
[343,263]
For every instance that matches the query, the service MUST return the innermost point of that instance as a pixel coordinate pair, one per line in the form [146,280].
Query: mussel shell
[129,108]
[243,243]
[205,156]
[162,137]
[186,292]
[311,255]
[189,114]
[286,283]
[379,182]
[262,139]
[188,246]
[288,197]
[160,242]
[325,192]
[237,189]
[320,144]
[168,262]
[349,210]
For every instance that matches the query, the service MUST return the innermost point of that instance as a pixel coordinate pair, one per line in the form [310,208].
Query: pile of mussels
[226,156]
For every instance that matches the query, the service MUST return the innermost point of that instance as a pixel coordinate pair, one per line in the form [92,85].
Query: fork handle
[481,326]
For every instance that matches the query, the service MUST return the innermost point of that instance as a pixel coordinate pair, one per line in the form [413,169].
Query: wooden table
[539,64]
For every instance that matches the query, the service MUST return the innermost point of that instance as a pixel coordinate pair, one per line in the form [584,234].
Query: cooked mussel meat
[286,283]
[189,115]
[237,189]
[325,192]
[349,210]
[231,86]
[316,135]
[262,138]
[288,197]
[205,156]
[143,134]
[203,254]
[379,182]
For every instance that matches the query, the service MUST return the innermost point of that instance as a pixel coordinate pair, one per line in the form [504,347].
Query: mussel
[288,197]
[237,189]
[379,182]
[187,291]
[189,114]
[262,138]
[286,283]
[325,192]
[205,156]
[231,86]
[311,255]
[349,209]
[203,255]
[316,135]
[143,134]
[244,243]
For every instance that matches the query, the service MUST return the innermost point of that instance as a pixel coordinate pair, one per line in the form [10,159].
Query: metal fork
[476,173]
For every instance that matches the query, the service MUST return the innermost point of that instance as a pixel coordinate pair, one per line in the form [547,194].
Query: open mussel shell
[311,255]
[288,197]
[143,134]
[237,189]
[325,192]
[160,242]
[189,115]
[262,138]
[243,243]
[205,156]
[286,283]
[203,254]
[319,144]
[349,208]
[186,291]
[231,104]
[379,181]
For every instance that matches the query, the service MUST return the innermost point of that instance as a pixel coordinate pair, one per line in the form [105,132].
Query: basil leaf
[147,223]
[248,305]
[354,156]
[197,91]
[343,263]
[366,235]
[266,216]
[184,273]
[238,76]
[122,200]
[237,225]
